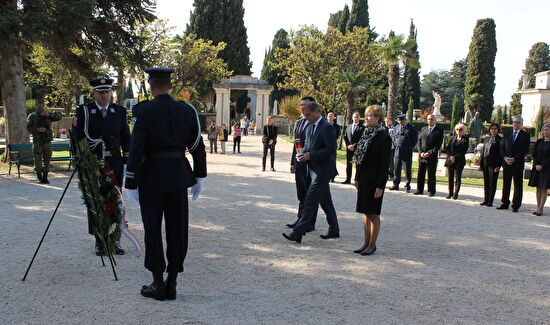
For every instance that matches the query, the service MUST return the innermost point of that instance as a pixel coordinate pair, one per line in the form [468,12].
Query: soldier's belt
[166,155]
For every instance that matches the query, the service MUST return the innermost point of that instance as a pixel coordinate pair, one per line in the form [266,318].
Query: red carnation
[110,208]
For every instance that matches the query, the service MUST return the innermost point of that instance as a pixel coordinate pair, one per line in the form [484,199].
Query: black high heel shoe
[358,251]
[365,253]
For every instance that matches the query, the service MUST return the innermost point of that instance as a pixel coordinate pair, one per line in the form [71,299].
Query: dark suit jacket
[494,159]
[337,129]
[516,149]
[430,142]
[321,147]
[350,138]
[405,140]
[457,148]
[376,161]
[539,156]
[269,133]
[164,125]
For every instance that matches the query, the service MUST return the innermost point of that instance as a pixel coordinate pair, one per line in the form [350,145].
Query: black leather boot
[170,286]
[156,289]
[45,178]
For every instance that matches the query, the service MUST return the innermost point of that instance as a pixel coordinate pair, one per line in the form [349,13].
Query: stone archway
[248,83]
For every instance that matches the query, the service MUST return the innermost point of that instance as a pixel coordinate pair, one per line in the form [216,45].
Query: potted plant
[63,133]
[475,160]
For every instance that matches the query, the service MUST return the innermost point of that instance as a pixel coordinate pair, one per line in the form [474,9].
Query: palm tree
[351,82]
[392,51]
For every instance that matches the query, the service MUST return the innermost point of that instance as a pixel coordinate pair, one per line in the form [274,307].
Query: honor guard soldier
[158,176]
[39,124]
[105,125]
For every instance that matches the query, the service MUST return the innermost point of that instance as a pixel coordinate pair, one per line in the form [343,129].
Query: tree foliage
[359,15]
[411,77]
[515,106]
[339,20]
[447,83]
[275,76]
[410,109]
[539,120]
[223,21]
[538,61]
[394,50]
[455,116]
[314,59]
[480,77]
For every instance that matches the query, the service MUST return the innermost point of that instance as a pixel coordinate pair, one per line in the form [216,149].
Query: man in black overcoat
[351,137]
[513,148]
[429,143]
[406,137]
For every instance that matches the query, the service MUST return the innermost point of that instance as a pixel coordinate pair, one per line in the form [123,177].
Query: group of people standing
[221,134]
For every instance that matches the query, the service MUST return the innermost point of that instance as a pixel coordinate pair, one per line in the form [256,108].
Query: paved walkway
[438,261]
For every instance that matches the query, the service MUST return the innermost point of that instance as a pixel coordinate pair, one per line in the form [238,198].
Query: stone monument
[437,106]
[533,99]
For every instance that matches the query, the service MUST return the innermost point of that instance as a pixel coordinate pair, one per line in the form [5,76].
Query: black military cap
[401,117]
[102,84]
[159,73]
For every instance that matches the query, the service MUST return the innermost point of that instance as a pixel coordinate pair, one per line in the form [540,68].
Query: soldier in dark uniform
[105,126]
[39,124]
[159,171]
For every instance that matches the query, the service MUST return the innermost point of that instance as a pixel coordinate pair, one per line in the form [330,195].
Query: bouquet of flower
[100,194]
[63,131]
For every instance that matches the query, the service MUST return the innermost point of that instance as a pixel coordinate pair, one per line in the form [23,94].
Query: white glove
[197,189]
[123,177]
[133,196]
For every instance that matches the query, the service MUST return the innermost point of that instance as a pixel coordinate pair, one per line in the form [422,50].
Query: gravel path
[438,261]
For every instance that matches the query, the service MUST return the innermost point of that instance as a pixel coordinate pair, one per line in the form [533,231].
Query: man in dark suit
[337,128]
[351,137]
[317,152]
[513,148]
[299,169]
[269,140]
[105,125]
[429,143]
[406,137]
[391,131]
[159,171]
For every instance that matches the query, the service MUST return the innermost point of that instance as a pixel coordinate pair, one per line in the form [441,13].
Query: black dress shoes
[483,203]
[448,197]
[310,229]
[272,169]
[394,188]
[346,182]
[431,194]
[407,189]
[502,207]
[418,193]
[293,237]
[366,253]
[489,205]
[291,225]
[515,209]
[329,235]
[170,286]
[155,290]
[358,251]
[455,197]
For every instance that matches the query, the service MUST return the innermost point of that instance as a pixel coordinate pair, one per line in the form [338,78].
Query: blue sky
[444,28]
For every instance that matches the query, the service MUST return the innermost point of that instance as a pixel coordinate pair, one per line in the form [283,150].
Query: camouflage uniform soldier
[39,125]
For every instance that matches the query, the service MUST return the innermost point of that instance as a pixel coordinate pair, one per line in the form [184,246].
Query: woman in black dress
[456,159]
[540,174]
[372,157]
[490,163]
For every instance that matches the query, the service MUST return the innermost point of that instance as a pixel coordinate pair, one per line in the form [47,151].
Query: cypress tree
[340,19]
[410,109]
[280,40]
[455,115]
[538,61]
[359,15]
[515,107]
[499,115]
[539,121]
[480,77]
[411,78]
[223,21]
[505,115]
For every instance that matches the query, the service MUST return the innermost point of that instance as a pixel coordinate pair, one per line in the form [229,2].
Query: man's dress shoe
[346,182]
[515,209]
[502,207]
[418,193]
[394,188]
[154,291]
[293,237]
[330,235]
[431,194]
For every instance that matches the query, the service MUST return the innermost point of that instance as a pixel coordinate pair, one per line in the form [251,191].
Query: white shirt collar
[101,107]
